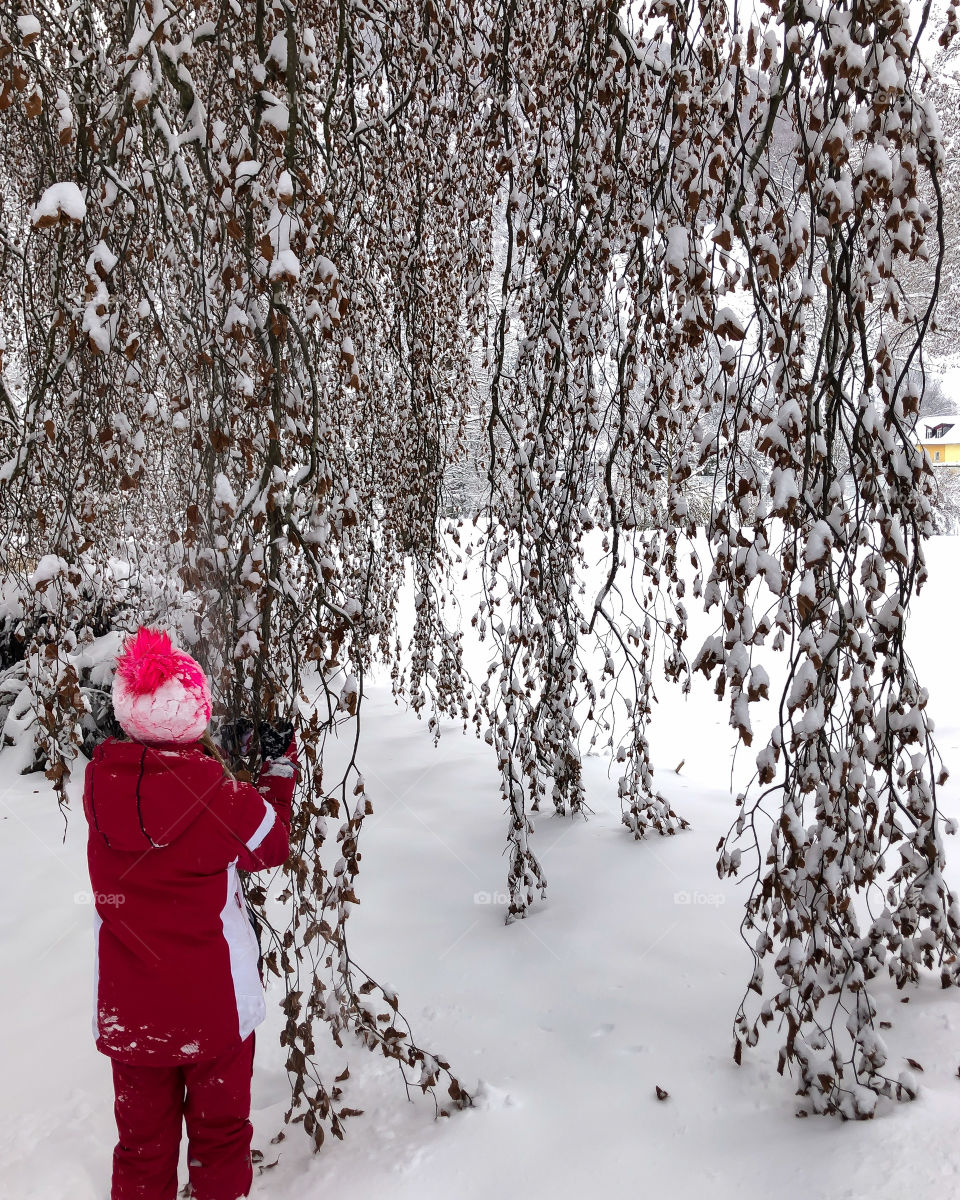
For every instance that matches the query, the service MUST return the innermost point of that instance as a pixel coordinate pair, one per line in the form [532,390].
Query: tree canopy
[301,296]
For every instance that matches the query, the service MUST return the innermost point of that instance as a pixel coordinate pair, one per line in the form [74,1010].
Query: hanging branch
[852,879]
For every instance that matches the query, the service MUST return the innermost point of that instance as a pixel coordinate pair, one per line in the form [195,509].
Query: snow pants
[152,1103]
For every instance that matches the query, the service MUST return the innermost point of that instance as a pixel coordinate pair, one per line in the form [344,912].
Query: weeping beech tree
[265,266]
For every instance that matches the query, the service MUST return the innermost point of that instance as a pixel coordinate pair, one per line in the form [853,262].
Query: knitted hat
[160,694]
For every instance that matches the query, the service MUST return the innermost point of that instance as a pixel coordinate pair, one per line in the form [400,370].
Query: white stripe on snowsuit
[269,817]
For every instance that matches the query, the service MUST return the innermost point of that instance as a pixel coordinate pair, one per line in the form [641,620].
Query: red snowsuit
[178,992]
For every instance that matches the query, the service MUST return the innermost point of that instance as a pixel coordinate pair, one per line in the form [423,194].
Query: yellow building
[940,437]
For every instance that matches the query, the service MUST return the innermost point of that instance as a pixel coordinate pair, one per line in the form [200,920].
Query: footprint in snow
[487,1096]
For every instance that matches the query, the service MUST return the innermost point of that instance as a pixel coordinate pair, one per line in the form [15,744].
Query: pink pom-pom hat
[160,693]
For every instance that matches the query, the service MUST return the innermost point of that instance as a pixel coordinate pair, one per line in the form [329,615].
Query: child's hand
[234,738]
[275,739]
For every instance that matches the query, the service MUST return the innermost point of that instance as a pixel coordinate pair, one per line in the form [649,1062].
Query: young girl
[178,992]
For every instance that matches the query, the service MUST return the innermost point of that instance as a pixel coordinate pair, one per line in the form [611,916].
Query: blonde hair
[214,751]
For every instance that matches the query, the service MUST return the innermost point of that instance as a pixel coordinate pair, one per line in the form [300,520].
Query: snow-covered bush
[88,606]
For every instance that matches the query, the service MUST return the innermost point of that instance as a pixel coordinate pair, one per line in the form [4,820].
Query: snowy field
[565,1023]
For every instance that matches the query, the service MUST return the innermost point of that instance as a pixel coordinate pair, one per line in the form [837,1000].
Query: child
[178,993]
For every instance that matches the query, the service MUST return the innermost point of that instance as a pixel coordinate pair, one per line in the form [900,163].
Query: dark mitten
[275,739]
[234,737]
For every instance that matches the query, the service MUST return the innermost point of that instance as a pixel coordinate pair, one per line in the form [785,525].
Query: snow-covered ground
[627,978]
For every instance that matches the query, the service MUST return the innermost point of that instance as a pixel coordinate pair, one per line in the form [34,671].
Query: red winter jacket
[176,956]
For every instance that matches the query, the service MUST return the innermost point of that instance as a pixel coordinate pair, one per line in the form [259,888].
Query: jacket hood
[140,797]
